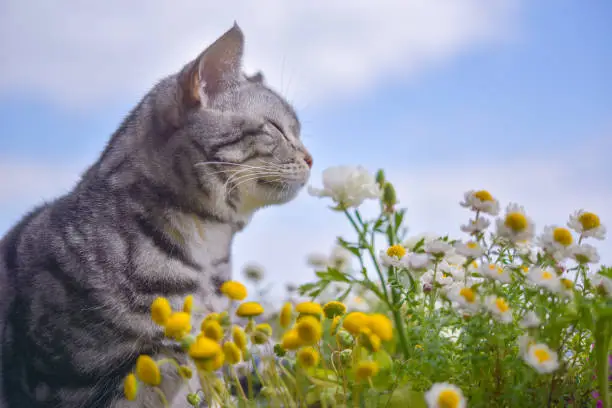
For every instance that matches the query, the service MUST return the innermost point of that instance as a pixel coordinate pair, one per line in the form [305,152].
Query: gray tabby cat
[155,215]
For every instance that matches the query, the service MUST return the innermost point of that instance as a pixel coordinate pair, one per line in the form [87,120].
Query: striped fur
[155,215]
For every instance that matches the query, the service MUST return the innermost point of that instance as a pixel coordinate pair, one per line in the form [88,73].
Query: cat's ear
[216,69]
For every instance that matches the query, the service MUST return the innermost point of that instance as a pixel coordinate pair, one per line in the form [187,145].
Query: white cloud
[82,53]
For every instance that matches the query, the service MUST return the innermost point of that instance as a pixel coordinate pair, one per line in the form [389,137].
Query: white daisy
[470,249]
[557,241]
[441,278]
[340,258]
[417,261]
[530,320]
[495,272]
[317,260]
[499,308]
[587,224]
[387,261]
[348,186]
[411,243]
[445,395]
[515,226]
[465,296]
[475,227]
[481,201]
[542,358]
[585,253]
[453,258]
[438,247]
[603,283]
[544,278]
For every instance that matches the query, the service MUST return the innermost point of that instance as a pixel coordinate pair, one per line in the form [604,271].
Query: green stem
[372,254]
[602,340]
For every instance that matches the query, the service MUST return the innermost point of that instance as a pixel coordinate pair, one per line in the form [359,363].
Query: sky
[512,96]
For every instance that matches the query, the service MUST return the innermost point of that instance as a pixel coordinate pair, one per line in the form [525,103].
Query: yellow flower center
[285,315]
[418,346]
[547,275]
[525,268]
[366,369]
[542,355]
[178,325]
[500,270]
[308,357]
[563,236]
[212,329]
[309,308]
[483,195]
[474,264]
[130,387]
[161,310]
[249,309]
[397,251]
[232,353]
[449,399]
[501,304]
[234,290]
[353,322]
[147,370]
[472,245]
[239,337]
[468,294]
[291,340]
[381,325]
[589,220]
[309,330]
[492,267]
[568,284]
[333,309]
[516,221]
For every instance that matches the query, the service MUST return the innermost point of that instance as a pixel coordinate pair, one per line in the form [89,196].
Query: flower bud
[187,341]
[194,400]
[279,351]
[380,177]
[345,356]
[344,339]
[389,195]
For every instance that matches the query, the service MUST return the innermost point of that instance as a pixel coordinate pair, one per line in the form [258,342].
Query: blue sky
[522,106]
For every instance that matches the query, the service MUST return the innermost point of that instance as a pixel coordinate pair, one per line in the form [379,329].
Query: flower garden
[504,316]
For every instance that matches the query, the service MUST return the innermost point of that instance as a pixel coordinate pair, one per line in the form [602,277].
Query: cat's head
[237,129]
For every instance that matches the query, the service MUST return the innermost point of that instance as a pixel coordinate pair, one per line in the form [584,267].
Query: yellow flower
[309,330]
[418,347]
[264,328]
[212,364]
[233,355]
[212,329]
[185,372]
[291,340]
[249,309]
[239,337]
[396,251]
[147,370]
[354,321]
[160,310]
[130,387]
[468,294]
[309,308]
[188,304]
[204,348]
[365,370]
[213,316]
[285,315]
[178,325]
[234,290]
[308,357]
[333,309]
[369,340]
[381,325]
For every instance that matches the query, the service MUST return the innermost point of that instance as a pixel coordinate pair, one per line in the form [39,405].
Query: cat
[154,216]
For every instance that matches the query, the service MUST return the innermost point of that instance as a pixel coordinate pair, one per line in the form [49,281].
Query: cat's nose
[308,159]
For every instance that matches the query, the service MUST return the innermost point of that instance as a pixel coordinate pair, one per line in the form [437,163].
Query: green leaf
[333,275]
